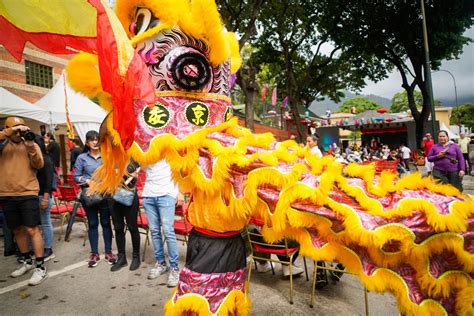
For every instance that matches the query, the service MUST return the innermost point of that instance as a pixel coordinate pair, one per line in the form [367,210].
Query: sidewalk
[468,185]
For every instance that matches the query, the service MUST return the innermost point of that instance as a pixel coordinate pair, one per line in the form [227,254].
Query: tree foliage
[391,31]
[293,52]
[361,104]
[463,115]
[240,16]
[400,101]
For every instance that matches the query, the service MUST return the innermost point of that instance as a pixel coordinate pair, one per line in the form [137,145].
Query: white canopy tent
[451,134]
[84,114]
[12,105]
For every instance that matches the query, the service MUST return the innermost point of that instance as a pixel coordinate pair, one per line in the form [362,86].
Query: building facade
[34,76]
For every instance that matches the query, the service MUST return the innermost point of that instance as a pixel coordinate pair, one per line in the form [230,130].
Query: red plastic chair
[63,198]
[142,223]
[141,180]
[66,196]
[61,212]
[81,213]
[381,165]
[72,183]
[182,226]
[386,165]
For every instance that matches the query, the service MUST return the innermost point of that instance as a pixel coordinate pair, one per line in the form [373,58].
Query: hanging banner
[232,80]
[264,92]
[274,96]
[70,128]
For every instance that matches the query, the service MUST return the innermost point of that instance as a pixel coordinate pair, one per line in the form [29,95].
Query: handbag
[90,200]
[55,184]
[124,196]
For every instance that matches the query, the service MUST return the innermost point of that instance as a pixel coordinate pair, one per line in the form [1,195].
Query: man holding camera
[20,157]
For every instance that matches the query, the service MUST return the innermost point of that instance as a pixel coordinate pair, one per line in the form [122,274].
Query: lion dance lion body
[410,236]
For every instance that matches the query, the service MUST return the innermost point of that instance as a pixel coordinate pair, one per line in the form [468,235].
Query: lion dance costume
[164,78]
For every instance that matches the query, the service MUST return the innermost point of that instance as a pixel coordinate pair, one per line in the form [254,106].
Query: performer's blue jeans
[160,215]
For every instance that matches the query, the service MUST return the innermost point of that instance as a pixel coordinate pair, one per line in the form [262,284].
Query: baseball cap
[14,121]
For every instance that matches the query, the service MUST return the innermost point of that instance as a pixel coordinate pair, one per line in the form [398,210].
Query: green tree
[292,50]
[391,31]
[240,16]
[400,101]
[361,104]
[463,115]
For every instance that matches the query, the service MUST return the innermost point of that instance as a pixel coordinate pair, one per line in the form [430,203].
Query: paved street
[74,289]
[468,184]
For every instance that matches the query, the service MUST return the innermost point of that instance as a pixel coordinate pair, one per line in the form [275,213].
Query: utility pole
[428,69]
[454,80]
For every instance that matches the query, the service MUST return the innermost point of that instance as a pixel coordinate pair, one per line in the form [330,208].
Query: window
[38,74]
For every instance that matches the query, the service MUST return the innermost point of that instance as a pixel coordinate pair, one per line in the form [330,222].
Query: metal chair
[64,196]
[326,268]
[258,245]
[182,226]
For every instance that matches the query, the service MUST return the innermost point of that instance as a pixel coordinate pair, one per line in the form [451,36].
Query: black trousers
[450,177]
[468,163]
[120,214]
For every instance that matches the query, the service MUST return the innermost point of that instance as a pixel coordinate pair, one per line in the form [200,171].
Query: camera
[28,135]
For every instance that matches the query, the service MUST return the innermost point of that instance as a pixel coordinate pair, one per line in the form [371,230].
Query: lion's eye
[144,20]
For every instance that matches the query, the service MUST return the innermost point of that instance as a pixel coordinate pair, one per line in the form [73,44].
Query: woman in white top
[312,142]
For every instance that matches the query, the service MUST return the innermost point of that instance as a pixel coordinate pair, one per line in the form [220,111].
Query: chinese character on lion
[163,74]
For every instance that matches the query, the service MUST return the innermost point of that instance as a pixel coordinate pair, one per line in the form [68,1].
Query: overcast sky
[443,85]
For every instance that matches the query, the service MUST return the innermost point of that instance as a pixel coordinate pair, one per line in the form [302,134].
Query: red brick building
[31,78]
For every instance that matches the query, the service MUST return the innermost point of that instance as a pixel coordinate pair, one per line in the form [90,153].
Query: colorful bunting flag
[70,128]
[232,80]
[264,92]
[274,96]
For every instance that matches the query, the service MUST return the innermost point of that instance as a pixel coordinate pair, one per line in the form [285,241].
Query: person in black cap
[20,159]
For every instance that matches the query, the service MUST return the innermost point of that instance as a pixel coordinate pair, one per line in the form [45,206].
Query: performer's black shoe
[321,276]
[336,275]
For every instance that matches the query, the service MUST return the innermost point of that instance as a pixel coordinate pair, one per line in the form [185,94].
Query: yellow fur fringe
[83,74]
[235,303]
[216,207]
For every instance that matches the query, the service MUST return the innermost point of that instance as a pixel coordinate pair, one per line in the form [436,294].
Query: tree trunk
[424,115]
[250,91]
[251,97]
[296,115]
[420,118]
[291,87]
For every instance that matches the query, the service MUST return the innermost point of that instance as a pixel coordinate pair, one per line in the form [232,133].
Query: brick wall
[12,72]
